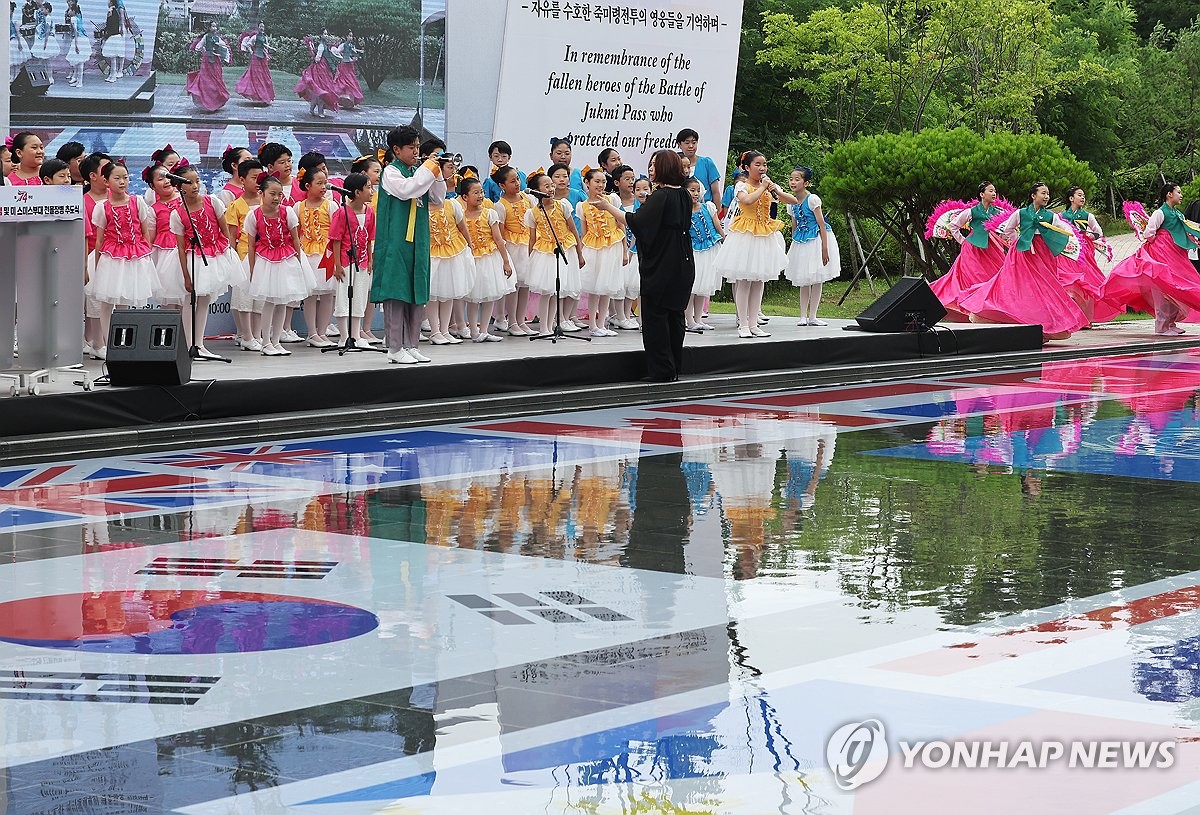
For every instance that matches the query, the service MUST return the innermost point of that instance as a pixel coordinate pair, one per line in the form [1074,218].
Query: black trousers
[662,337]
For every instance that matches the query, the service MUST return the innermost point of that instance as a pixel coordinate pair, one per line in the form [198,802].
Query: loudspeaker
[907,306]
[30,81]
[147,347]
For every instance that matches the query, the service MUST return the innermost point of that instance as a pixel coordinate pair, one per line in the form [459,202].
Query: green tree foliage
[898,178]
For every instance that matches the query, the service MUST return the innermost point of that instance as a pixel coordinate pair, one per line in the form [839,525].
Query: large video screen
[128,77]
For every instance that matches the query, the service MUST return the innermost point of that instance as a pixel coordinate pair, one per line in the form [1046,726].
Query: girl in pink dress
[28,153]
[1158,278]
[206,85]
[92,169]
[346,79]
[317,85]
[122,274]
[230,159]
[223,268]
[980,253]
[275,262]
[169,290]
[1083,278]
[1026,289]
[256,84]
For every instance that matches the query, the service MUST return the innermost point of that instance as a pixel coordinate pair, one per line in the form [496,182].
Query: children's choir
[282,240]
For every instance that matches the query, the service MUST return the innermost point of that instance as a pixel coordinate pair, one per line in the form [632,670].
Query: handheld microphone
[340,190]
[541,196]
[177,179]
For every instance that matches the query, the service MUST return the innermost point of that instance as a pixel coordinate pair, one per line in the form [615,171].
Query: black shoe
[660,378]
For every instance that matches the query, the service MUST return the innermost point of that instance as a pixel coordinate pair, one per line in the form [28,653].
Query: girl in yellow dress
[493,270]
[543,265]
[315,213]
[605,251]
[511,207]
[753,251]
[451,268]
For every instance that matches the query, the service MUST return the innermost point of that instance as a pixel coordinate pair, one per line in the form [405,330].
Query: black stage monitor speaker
[147,347]
[907,306]
[31,81]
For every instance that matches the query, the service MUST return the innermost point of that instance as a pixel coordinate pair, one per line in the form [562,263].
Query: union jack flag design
[241,459]
[64,493]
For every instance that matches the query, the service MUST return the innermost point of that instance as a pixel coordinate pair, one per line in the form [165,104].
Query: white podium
[41,284]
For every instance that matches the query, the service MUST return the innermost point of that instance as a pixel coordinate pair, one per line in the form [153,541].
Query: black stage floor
[311,382]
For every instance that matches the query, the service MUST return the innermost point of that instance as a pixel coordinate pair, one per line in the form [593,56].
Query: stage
[263,396]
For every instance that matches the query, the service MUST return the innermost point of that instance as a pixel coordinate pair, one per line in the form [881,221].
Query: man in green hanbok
[407,189]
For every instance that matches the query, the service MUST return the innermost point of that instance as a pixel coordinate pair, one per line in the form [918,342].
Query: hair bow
[300,175]
[492,171]
[555,141]
[539,171]
[8,142]
[382,155]
[260,149]
[365,158]
[169,147]
[469,174]
[587,168]
[183,162]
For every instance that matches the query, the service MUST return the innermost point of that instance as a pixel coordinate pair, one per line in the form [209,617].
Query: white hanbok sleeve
[423,181]
[1152,226]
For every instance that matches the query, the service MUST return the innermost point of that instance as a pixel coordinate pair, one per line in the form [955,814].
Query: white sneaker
[401,357]
[100,353]
[502,325]
[417,355]
[251,345]
[630,324]
[317,341]
[425,326]
[332,330]
[598,332]
[464,334]
[568,325]
[291,336]
[815,321]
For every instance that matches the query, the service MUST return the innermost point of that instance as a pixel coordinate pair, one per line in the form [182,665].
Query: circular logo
[179,622]
[857,753]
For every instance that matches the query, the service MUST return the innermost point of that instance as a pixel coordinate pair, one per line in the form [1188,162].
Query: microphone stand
[560,257]
[194,351]
[350,344]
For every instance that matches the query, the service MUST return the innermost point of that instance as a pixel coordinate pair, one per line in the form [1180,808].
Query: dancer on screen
[206,85]
[123,273]
[79,46]
[345,81]
[113,34]
[18,49]
[45,42]
[317,85]
[256,83]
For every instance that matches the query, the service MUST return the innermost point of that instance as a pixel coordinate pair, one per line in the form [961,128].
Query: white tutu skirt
[490,281]
[123,282]
[603,274]
[114,46]
[751,257]
[80,56]
[542,268]
[211,280]
[451,278]
[708,279]
[519,255]
[633,277]
[46,49]
[322,284]
[281,282]
[240,299]
[362,294]
[18,50]
[804,262]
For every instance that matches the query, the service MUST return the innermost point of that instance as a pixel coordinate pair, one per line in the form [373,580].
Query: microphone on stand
[541,196]
[177,179]
[340,190]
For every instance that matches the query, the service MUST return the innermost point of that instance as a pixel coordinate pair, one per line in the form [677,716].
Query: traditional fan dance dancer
[980,255]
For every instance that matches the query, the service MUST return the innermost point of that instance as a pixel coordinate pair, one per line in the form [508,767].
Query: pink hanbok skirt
[972,266]
[346,82]
[1084,281]
[1159,269]
[256,84]
[317,83]
[207,86]
[1025,291]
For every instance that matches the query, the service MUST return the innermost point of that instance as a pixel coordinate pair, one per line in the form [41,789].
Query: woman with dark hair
[1158,278]
[665,260]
